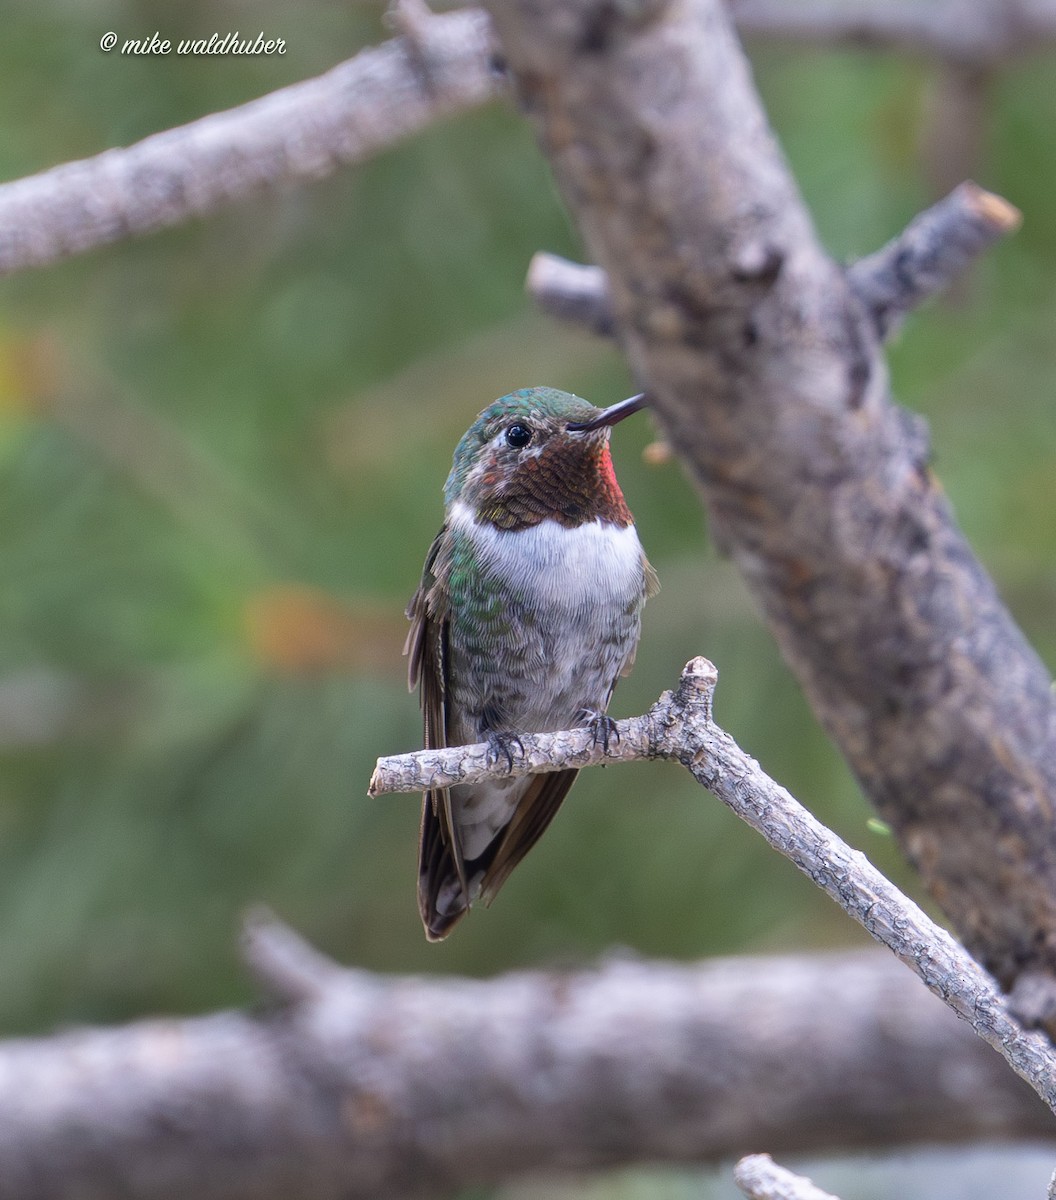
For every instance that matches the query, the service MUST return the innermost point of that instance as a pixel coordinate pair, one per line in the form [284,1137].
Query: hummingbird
[528,612]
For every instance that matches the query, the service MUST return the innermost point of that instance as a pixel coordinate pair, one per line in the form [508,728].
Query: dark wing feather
[439,851]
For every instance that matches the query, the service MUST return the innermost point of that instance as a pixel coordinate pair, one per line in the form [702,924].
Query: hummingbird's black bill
[610,415]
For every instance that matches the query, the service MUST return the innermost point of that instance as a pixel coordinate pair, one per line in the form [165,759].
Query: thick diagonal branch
[767,379]
[680,727]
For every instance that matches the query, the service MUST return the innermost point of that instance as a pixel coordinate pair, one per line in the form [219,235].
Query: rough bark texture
[367,1087]
[928,256]
[444,64]
[768,381]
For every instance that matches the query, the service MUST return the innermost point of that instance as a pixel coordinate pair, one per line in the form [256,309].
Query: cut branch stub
[282,962]
[760,1178]
[930,254]
[926,259]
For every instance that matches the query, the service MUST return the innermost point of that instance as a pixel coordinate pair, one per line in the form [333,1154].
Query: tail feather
[444,896]
[441,874]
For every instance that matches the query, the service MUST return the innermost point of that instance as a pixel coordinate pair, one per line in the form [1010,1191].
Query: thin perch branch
[923,261]
[542,752]
[679,726]
[304,131]
[760,1178]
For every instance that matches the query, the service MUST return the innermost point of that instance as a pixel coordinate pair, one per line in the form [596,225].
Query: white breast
[590,566]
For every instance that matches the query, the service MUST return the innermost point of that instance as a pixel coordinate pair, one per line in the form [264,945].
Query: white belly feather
[591,567]
[588,583]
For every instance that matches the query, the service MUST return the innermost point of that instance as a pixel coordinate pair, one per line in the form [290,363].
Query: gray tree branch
[930,254]
[967,31]
[680,727]
[767,379]
[364,1086]
[301,132]
[442,65]
[923,261]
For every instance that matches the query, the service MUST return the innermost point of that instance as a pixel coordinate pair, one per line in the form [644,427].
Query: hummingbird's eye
[518,436]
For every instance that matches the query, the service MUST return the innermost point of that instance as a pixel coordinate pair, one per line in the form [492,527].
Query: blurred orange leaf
[29,371]
[298,629]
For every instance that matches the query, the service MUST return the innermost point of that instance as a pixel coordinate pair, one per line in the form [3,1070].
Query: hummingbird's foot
[602,728]
[500,745]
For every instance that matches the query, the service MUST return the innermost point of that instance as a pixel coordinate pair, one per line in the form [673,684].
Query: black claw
[602,729]
[500,745]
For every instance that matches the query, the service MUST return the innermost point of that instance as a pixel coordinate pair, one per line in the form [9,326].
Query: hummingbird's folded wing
[439,847]
[426,644]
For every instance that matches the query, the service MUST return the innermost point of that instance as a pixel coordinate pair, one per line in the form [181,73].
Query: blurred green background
[222,449]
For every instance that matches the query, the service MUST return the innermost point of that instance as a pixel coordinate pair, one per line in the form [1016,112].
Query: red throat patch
[566,482]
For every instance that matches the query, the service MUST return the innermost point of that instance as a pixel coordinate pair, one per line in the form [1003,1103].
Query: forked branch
[679,726]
